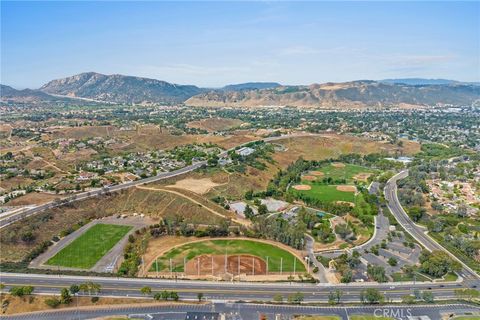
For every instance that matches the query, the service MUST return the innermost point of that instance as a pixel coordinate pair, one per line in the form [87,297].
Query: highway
[418,232]
[231,291]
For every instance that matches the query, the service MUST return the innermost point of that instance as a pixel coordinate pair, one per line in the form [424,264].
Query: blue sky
[217,43]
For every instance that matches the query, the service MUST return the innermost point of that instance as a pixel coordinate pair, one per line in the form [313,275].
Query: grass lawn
[87,249]
[450,277]
[326,193]
[219,247]
[347,172]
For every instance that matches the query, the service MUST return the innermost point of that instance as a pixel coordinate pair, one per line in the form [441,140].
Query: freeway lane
[245,311]
[11,218]
[122,287]
[418,232]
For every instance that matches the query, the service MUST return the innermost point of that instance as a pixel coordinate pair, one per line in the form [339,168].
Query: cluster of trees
[377,273]
[67,294]
[20,291]
[179,227]
[262,151]
[281,230]
[437,263]
[136,246]
[163,295]
[345,263]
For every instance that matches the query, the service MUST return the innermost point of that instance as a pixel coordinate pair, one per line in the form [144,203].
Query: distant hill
[120,89]
[355,94]
[9,94]
[251,86]
[419,81]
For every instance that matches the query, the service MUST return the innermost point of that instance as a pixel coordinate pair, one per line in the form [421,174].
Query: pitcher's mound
[309,178]
[317,173]
[302,187]
[338,165]
[347,188]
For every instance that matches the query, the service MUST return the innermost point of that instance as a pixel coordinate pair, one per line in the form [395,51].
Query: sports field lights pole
[171,271]
[281,266]
[212,264]
[267,266]
[156,266]
[198,267]
[253,265]
[185,265]
[294,264]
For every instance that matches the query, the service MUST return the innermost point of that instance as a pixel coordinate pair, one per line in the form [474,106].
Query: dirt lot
[200,186]
[362,176]
[248,265]
[346,188]
[34,198]
[302,187]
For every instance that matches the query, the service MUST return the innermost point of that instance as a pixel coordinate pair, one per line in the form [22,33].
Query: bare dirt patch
[208,265]
[362,176]
[346,202]
[200,186]
[346,188]
[338,165]
[317,173]
[215,124]
[309,178]
[34,198]
[302,187]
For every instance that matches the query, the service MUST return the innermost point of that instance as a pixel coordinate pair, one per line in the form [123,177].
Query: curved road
[416,231]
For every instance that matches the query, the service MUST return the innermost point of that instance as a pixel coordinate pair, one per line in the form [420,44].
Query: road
[245,311]
[19,215]
[418,232]
[231,291]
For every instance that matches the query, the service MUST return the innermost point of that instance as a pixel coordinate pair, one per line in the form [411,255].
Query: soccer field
[85,251]
[275,254]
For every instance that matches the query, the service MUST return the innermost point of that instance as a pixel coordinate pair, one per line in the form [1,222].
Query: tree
[74,289]
[174,295]
[248,212]
[392,261]
[200,296]
[146,290]
[296,297]
[21,291]
[371,296]
[262,209]
[157,296]
[377,273]
[165,295]
[335,296]
[428,297]
[467,294]
[408,299]
[437,263]
[278,298]
[416,213]
[65,296]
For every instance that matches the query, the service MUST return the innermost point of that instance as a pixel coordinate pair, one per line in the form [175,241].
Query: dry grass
[37,303]
[49,223]
[215,124]
[33,198]
[14,182]
[200,186]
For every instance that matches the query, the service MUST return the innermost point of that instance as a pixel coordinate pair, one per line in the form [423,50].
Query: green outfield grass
[347,172]
[326,193]
[87,249]
[220,247]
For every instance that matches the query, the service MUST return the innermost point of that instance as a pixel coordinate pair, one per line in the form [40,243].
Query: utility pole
[171,270]
[185,265]
[238,258]
[294,265]
[156,266]
[281,266]
[212,264]
[198,267]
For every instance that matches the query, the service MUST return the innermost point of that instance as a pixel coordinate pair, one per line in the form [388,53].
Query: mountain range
[120,89]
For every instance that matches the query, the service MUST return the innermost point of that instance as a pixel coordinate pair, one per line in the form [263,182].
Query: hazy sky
[216,43]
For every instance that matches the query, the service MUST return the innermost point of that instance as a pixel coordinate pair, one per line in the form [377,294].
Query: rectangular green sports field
[327,193]
[85,251]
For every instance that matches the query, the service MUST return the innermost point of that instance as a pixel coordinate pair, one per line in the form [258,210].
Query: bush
[95,299]
[52,302]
